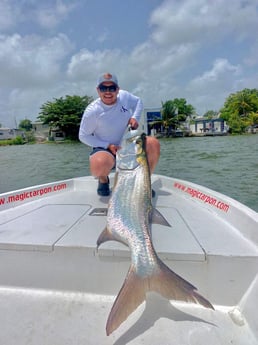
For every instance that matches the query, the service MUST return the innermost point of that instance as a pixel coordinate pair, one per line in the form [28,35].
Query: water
[226,164]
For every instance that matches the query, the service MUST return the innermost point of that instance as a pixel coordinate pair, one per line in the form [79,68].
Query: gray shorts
[98,149]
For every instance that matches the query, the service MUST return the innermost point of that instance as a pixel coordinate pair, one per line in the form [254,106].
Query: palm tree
[169,113]
[242,103]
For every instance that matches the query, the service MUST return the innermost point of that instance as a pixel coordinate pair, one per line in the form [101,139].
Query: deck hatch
[40,228]
[98,212]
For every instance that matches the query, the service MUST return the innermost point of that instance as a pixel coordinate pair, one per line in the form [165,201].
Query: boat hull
[49,267]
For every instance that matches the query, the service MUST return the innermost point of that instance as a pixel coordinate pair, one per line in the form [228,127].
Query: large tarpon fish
[129,217]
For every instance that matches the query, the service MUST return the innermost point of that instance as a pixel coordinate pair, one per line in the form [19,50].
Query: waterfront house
[153,118]
[203,126]
[41,131]
[150,116]
[9,133]
[200,126]
[44,132]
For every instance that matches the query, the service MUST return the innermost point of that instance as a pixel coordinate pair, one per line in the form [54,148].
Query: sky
[200,50]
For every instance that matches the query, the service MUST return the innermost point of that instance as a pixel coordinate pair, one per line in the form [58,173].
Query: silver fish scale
[127,219]
[129,216]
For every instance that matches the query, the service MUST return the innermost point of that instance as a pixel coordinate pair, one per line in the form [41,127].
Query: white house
[204,126]
[9,133]
[44,132]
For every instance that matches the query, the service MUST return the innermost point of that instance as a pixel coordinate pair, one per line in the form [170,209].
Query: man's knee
[153,145]
[101,163]
[153,152]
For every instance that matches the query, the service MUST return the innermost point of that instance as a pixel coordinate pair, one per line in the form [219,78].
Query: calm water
[225,164]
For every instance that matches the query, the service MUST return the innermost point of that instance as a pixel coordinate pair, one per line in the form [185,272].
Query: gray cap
[107,77]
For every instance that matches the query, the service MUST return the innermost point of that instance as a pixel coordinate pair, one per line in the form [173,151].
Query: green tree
[239,110]
[183,109]
[65,114]
[253,118]
[174,112]
[210,114]
[25,125]
[168,113]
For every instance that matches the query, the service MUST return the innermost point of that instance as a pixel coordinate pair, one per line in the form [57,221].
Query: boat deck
[56,288]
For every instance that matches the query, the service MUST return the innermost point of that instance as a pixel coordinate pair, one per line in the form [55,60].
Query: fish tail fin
[171,286]
[163,281]
[131,295]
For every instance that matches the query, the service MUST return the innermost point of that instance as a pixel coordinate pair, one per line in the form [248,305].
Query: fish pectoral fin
[105,236]
[131,295]
[158,218]
[173,287]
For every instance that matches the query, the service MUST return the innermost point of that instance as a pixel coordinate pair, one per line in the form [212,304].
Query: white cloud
[31,71]
[50,14]
[30,60]
[209,90]
[221,70]
[87,65]
[188,21]
[47,14]
[187,54]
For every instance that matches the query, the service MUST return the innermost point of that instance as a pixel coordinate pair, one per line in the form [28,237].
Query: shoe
[103,188]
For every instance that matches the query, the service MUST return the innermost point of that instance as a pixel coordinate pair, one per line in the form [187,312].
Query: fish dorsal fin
[158,218]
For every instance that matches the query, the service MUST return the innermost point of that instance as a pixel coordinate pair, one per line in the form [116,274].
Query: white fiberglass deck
[56,289]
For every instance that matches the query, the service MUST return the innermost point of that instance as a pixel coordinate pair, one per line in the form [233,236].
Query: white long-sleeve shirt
[103,124]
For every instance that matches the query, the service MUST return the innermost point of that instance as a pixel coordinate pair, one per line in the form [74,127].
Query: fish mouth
[127,154]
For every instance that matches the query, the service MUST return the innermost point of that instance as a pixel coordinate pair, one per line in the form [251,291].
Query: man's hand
[134,123]
[113,148]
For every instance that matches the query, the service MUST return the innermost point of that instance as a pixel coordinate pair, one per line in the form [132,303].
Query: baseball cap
[107,77]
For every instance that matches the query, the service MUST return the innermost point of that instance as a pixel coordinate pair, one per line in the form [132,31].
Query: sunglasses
[104,88]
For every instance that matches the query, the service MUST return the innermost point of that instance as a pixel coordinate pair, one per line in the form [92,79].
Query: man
[103,124]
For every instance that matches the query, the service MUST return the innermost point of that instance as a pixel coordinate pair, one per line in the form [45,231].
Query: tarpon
[129,217]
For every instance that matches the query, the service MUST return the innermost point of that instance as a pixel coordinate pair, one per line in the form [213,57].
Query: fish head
[132,151]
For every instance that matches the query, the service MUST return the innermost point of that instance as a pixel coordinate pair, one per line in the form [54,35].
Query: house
[155,126]
[9,133]
[56,134]
[203,126]
[151,115]
[44,132]
[41,131]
